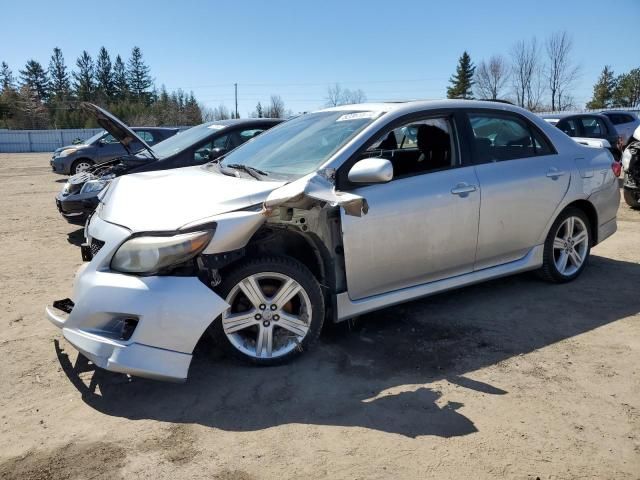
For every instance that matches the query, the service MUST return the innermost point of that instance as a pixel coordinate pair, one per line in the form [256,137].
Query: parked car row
[323,217]
[104,146]
[614,128]
[195,146]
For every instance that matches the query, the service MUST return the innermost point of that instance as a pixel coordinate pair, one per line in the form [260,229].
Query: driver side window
[201,155]
[108,139]
[416,147]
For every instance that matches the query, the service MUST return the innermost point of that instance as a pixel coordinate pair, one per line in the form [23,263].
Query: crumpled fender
[320,187]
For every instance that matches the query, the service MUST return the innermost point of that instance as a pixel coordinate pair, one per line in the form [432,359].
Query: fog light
[128,327]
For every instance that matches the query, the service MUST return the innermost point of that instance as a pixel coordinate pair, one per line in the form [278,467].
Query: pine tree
[84,83]
[120,81]
[60,85]
[627,90]
[7,82]
[462,82]
[603,90]
[138,75]
[104,75]
[259,112]
[35,78]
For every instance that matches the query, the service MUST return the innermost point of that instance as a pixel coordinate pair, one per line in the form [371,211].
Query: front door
[422,226]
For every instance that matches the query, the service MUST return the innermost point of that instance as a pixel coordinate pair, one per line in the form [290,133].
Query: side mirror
[216,153]
[371,170]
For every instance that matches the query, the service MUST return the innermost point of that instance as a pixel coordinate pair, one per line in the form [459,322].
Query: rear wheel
[276,310]
[567,247]
[632,198]
[81,165]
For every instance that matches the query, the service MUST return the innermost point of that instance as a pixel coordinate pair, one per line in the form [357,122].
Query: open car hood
[169,199]
[115,127]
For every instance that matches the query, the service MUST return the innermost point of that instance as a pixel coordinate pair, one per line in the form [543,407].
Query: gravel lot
[511,379]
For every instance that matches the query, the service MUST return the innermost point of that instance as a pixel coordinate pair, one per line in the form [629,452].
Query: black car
[592,125]
[194,146]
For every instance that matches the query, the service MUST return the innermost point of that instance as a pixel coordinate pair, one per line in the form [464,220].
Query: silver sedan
[327,216]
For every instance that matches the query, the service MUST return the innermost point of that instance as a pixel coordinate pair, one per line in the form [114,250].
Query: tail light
[617,168]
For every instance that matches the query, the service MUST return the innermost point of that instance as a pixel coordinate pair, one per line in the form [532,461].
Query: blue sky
[391,50]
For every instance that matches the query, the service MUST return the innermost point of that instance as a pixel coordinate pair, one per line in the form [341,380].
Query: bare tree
[526,74]
[491,77]
[336,95]
[353,96]
[275,108]
[221,112]
[560,73]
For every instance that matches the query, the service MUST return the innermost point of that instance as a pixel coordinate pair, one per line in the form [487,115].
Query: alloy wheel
[570,246]
[82,167]
[269,315]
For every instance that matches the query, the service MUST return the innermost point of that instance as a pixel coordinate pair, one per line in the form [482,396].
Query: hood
[77,146]
[115,127]
[170,199]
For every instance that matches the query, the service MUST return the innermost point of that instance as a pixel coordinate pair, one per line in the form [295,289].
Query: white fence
[14,141]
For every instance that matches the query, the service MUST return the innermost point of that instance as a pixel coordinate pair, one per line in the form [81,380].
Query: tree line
[539,77]
[49,97]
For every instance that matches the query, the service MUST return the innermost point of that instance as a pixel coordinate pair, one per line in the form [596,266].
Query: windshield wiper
[254,172]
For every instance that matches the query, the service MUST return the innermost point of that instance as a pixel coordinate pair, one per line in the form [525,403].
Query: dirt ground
[514,378]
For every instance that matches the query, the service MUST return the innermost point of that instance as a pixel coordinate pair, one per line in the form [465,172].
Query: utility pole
[235,85]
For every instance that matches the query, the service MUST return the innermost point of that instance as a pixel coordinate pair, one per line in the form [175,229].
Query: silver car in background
[325,217]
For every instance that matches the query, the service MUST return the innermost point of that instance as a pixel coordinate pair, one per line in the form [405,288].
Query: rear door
[522,179]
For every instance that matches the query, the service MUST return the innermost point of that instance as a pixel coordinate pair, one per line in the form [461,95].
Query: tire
[560,248]
[632,198]
[261,331]
[80,165]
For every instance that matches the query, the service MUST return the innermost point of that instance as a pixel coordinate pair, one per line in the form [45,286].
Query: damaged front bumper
[144,326]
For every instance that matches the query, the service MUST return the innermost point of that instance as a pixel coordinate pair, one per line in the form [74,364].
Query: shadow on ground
[343,381]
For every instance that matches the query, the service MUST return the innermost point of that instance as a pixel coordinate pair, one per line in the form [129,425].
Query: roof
[243,121]
[415,105]
[155,128]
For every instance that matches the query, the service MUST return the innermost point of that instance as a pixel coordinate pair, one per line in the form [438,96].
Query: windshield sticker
[216,127]
[357,116]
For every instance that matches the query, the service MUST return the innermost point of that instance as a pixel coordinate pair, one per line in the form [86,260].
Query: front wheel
[632,198]
[276,310]
[567,247]
[81,165]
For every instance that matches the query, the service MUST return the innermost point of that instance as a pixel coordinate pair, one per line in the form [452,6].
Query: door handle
[463,189]
[554,173]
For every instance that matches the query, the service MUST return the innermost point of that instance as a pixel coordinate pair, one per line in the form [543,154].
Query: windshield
[183,140]
[95,138]
[299,146]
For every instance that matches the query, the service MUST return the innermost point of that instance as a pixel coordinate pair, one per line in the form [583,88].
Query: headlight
[93,186]
[147,254]
[67,152]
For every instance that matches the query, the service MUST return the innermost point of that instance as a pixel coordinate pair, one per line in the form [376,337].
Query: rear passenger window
[146,136]
[593,128]
[504,137]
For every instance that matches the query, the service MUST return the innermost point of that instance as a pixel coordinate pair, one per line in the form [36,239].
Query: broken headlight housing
[149,254]
[93,186]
